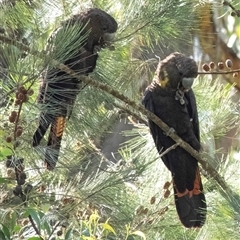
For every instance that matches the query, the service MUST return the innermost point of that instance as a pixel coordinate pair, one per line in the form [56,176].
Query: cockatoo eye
[104,29]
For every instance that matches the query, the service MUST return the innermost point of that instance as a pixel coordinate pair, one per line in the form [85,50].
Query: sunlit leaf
[140,234]
[108,227]
[4,152]
[17,228]
[238,31]
[45,207]
[89,238]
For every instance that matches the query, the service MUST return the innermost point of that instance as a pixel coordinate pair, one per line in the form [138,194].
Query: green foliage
[218,112]
[4,233]
[63,44]
[88,194]
[92,228]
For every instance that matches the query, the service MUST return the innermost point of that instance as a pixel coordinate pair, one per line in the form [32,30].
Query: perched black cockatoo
[58,90]
[171,98]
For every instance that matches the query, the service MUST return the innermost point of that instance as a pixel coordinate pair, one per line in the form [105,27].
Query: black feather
[58,90]
[183,118]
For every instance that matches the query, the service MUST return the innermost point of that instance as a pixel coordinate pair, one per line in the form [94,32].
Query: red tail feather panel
[191,205]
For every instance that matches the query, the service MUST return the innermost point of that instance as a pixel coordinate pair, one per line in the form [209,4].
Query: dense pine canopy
[110,182]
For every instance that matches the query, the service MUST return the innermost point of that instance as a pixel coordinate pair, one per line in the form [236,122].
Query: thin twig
[53,229]
[17,120]
[226,3]
[132,33]
[206,166]
[32,221]
[222,72]
[35,227]
[169,149]
[160,14]
[139,118]
[235,12]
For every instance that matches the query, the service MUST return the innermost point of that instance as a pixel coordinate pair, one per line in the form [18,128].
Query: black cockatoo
[58,90]
[171,98]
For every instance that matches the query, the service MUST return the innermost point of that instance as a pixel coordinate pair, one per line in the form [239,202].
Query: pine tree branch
[137,107]
[205,165]
[134,114]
